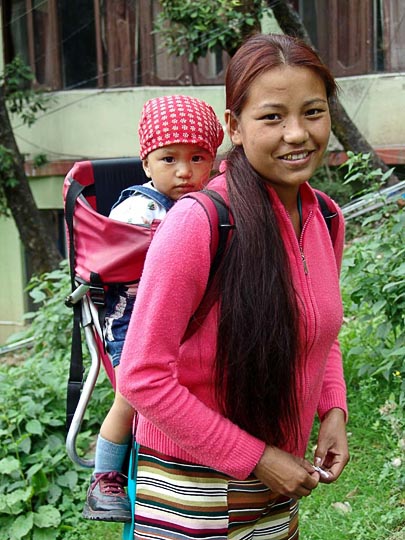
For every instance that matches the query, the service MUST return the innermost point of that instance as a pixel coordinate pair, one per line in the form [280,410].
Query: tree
[185,26]
[15,193]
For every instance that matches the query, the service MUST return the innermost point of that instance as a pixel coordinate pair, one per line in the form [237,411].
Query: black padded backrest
[111,176]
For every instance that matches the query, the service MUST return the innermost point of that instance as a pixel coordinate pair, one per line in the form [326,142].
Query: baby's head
[179,137]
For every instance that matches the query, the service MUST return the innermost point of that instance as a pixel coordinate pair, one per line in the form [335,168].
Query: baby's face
[178,169]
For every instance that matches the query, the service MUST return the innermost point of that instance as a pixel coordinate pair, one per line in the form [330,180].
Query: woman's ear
[145,166]
[232,127]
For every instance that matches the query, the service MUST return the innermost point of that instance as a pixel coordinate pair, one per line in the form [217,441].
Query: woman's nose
[295,132]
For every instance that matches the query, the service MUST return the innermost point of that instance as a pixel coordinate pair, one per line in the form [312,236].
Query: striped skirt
[181,501]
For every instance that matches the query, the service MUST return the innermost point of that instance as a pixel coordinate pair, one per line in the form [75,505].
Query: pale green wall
[376,104]
[12,278]
[98,124]
[47,192]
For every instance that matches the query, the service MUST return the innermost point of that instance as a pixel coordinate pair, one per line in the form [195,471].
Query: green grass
[370,483]
[98,530]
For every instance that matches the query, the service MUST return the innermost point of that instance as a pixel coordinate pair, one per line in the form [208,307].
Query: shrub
[41,491]
[373,283]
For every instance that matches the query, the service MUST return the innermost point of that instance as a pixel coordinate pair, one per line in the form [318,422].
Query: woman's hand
[286,474]
[332,452]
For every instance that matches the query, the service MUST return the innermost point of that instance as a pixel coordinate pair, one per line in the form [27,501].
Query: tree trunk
[344,129]
[31,227]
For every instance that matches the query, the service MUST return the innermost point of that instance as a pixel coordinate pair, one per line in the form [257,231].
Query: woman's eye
[197,159]
[314,112]
[272,117]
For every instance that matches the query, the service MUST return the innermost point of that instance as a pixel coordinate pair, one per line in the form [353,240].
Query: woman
[225,415]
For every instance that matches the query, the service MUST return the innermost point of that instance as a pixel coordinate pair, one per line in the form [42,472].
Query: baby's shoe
[106,498]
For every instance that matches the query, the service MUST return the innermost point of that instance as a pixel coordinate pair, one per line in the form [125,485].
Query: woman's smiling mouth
[295,156]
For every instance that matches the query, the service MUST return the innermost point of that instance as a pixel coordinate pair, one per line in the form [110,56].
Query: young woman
[226,413]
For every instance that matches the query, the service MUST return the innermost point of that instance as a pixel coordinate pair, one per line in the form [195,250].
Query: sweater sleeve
[172,285]
[333,393]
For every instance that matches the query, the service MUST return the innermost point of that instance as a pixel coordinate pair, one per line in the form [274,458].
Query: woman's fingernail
[318,461]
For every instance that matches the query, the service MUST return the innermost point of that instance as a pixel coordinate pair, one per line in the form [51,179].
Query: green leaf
[34,469]
[34,427]
[18,496]
[21,526]
[25,444]
[9,465]
[397,352]
[69,479]
[47,516]
[54,493]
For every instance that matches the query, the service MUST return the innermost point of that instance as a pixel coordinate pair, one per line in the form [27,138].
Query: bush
[373,284]
[41,491]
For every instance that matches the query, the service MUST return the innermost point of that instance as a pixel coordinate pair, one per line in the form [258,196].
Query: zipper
[304,262]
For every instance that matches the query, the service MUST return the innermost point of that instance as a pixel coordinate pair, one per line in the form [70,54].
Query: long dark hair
[257,358]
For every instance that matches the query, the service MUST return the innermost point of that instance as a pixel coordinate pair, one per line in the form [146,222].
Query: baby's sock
[109,456]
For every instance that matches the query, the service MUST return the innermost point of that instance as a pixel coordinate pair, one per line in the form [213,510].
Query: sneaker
[106,498]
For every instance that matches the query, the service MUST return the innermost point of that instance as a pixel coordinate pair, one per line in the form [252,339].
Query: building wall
[91,124]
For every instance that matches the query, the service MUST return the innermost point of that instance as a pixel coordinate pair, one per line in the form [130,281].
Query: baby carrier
[102,253]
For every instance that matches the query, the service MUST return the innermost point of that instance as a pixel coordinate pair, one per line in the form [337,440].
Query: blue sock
[109,456]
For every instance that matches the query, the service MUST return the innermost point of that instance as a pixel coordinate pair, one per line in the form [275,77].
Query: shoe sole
[88,513]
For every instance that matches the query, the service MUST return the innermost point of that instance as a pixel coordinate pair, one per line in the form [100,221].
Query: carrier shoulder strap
[328,214]
[219,217]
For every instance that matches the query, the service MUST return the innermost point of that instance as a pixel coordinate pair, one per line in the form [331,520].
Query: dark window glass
[78,43]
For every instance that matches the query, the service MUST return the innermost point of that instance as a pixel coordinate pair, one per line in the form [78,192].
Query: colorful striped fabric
[182,501]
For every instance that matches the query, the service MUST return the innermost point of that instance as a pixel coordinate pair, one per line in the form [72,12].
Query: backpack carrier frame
[102,252]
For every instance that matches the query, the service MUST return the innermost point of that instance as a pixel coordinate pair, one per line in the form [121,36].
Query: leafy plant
[41,491]
[194,28]
[373,281]
[20,98]
[362,175]
[330,180]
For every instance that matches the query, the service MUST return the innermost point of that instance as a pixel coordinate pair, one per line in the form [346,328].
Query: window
[356,38]
[98,43]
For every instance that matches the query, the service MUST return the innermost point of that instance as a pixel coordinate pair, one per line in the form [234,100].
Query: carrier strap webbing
[75,381]
[327,215]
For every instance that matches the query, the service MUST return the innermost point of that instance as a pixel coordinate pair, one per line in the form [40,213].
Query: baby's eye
[197,159]
[168,159]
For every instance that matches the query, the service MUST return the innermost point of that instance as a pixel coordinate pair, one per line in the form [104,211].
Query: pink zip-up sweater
[171,384]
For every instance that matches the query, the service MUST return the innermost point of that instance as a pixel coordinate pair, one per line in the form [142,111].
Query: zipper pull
[304,262]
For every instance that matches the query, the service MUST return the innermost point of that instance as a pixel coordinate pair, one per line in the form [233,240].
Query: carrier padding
[110,249]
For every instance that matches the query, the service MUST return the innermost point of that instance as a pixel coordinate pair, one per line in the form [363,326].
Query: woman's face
[284,126]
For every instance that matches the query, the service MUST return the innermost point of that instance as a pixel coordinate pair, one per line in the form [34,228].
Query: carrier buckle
[97,295]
